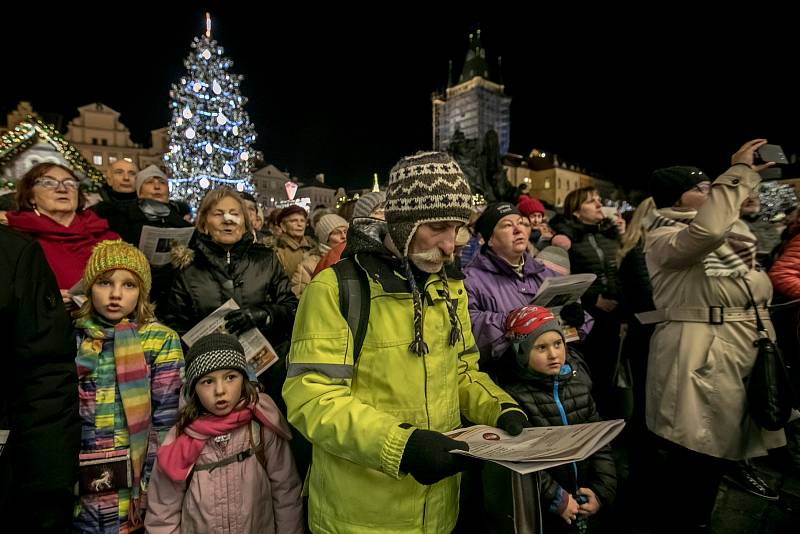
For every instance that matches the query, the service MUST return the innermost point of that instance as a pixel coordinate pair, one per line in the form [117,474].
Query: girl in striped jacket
[129,378]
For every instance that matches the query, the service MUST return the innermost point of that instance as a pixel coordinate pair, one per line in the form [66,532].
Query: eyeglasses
[51,183]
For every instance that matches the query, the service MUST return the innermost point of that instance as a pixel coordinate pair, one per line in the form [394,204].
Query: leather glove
[573,315]
[240,321]
[513,422]
[428,459]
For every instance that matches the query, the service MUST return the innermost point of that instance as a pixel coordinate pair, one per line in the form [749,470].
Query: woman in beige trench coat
[698,255]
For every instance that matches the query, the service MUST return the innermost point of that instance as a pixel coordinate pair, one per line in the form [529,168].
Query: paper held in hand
[258,351]
[156,243]
[558,291]
[539,447]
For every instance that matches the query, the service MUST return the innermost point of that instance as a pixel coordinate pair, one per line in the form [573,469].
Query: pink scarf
[177,458]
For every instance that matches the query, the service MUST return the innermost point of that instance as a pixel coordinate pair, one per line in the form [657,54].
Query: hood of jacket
[573,365]
[182,256]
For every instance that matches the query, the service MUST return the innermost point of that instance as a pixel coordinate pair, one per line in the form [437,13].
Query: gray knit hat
[555,258]
[423,188]
[368,202]
[426,187]
[327,224]
[211,353]
[147,173]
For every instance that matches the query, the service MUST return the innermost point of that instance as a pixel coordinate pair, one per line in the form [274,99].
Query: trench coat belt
[702,314]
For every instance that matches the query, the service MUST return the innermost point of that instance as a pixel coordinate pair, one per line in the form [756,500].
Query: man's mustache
[434,255]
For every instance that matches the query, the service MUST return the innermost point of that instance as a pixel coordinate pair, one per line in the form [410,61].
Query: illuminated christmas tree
[211,136]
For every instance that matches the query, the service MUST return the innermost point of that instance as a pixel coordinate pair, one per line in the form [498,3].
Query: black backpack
[354,300]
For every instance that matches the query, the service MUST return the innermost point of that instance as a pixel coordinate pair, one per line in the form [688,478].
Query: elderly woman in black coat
[224,262]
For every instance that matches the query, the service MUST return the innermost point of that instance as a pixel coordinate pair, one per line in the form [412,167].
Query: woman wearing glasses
[51,210]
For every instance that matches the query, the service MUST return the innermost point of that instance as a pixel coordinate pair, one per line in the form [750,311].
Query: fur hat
[147,173]
[555,258]
[327,224]
[111,255]
[369,202]
[524,326]
[668,184]
[491,216]
[211,353]
[423,188]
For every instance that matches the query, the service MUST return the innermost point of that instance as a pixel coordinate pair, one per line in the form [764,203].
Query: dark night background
[346,91]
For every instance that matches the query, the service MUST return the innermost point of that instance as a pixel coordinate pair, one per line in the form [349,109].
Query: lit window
[111,159]
[547,183]
[97,159]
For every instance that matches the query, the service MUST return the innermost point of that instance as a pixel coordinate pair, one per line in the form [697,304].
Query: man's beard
[431,261]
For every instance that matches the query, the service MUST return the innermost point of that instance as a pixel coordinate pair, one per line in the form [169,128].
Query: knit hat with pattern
[424,188]
[110,255]
[211,353]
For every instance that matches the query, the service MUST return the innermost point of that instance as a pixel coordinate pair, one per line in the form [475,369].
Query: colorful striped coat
[104,427]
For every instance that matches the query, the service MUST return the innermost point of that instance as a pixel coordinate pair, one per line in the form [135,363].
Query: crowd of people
[397,318]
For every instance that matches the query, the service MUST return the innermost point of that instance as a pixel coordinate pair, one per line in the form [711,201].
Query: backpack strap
[256,443]
[354,300]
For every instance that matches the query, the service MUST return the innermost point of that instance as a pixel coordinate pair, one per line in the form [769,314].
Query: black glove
[573,315]
[240,321]
[513,422]
[428,459]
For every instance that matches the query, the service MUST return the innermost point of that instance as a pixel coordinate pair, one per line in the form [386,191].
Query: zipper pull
[229,257]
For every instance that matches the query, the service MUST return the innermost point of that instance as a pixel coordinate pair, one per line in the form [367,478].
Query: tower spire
[375,187]
[208,24]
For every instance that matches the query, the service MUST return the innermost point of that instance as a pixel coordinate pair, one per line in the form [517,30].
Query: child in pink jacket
[226,465]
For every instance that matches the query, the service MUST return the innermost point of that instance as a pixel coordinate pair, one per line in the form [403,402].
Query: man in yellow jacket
[377,418]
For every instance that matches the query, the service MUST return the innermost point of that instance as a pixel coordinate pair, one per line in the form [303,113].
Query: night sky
[348,93]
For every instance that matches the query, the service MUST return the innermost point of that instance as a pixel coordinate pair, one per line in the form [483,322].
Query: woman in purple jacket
[502,277]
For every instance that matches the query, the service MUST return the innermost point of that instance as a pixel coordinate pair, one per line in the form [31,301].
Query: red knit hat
[524,325]
[528,205]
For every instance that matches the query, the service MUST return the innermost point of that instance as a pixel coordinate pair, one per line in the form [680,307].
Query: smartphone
[772,153]
[771,173]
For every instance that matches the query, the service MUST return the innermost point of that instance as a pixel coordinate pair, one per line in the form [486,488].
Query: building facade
[319,192]
[102,139]
[474,106]
[270,185]
[549,179]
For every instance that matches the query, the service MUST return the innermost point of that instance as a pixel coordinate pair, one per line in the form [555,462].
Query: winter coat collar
[213,252]
[292,244]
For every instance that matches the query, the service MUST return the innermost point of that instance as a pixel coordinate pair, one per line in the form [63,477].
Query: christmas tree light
[210,133]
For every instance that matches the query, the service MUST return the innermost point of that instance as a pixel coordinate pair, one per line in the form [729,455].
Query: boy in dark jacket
[553,387]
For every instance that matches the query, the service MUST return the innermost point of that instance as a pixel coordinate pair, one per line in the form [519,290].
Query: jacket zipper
[228,257]
[564,421]
[602,256]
